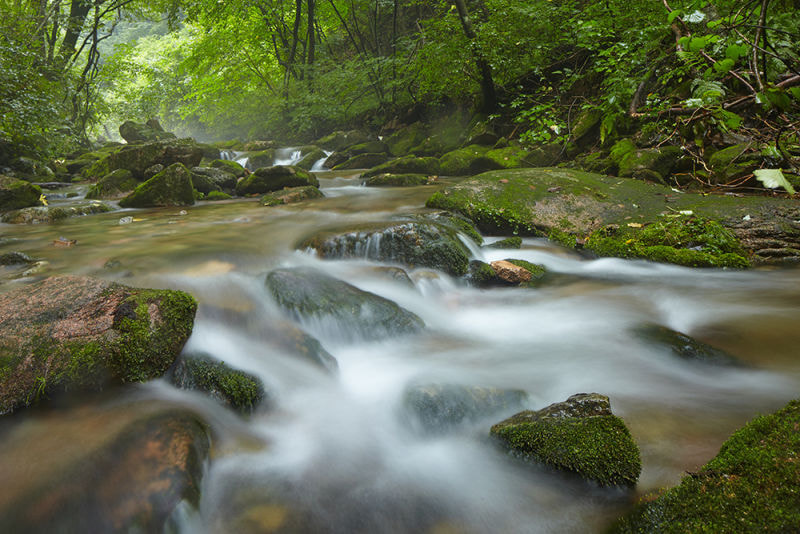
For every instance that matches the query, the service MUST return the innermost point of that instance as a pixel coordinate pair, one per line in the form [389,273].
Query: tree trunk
[489,97]
[78,11]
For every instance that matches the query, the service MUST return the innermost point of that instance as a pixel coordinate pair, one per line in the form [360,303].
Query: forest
[393,266]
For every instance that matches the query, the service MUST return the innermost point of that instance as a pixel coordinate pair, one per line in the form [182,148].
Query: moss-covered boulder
[16,194]
[138,158]
[509,242]
[467,161]
[733,162]
[403,140]
[440,407]
[481,274]
[338,308]
[260,158]
[230,387]
[750,486]
[518,272]
[69,333]
[134,132]
[129,473]
[229,166]
[170,187]
[396,180]
[217,195]
[684,347]
[202,183]
[412,243]
[52,214]
[269,179]
[31,170]
[406,165]
[114,185]
[291,195]
[362,161]
[372,147]
[580,435]
[15,258]
[220,179]
[569,206]
[340,140]
[654,164]
[309,159]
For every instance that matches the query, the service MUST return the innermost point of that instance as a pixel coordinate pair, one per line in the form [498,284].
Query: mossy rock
[683,240]
[313,296]
[217,195]
[114,185]
[441,407]
[203,183]
[229,166]
[362,161]
[406,165]
[134,132]
[511,157]
[138,158]
[586,129]
[733,162]
[371,147]
[750,486]
[308,161]
[403,140]
[16,194]
[396,180]
[219,178]
[509,242]
[268,179]
[260,158]
[230,387]
[412,243]
[339,140]
[481,274]
[684,347]
[456,222]
[291,195]
[466,161]
[70,333]
[580,435]
[537,272]
[654,164]
[15,258]
[53,214]
[170,187]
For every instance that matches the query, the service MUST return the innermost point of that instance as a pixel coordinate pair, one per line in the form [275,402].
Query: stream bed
[340,453]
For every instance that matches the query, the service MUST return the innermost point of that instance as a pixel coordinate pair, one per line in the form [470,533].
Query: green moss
[17,194]
[113,185]
[509,242]
[363,161]
[692,242]
[466,161]
[291,195]
[599,448]
[537,271]
[750,486]
[228,166]
[406,165]
[502,215]
[396,180]
[170,187]
[564,239]
[218,195]
[240,390]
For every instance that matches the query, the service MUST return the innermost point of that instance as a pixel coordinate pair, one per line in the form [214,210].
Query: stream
[340,450]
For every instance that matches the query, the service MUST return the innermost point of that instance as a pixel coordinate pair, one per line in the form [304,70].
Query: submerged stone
[231,387]
[750,486]
[580,435]
[50,214]
[396,180]
[683,346]
[415,244]
[70,333]
[170,187]
[291,195]
[439,407]
[267,179]
[311,296]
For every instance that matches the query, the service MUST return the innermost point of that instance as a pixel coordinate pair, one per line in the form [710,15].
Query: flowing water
[339,451]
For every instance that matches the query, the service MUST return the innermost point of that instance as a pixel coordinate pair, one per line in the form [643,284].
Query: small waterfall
[232,155]
[319,165]
[287,156]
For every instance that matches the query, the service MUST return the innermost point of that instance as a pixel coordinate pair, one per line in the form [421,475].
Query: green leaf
[674,15]
[735,51]
[697,43]
[795,92]
[724,66]
[773,178]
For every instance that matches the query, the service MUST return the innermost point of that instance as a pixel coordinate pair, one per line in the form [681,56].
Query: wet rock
[114,185]
[362,161]
[481,274]
[750,486]
[138,158]
[50,214]
[415,244]
[372,147]
[580,435]
[230,167]
[134,132]
[683,346]
[70,333]
[267,179]
[170,187]
[509,242]
[455,221]
[406,165]
[230,387]
[151,171]
[440,407]
[15,258]
[257,145]
[339,140]
[130,482]
[510,273]
[291,195]
[311,296]
[654,164]
[203,183]
[482,133]
[733,162]
[259,159]
[308,161]
[17,194]
[217,195]
[31,170]
[475,159]
[396,180]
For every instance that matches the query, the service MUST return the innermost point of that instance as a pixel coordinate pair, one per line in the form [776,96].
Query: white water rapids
[339,453]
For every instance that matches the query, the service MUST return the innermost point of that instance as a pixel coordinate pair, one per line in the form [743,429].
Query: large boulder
[230,387]
[134,132]
[114,185]
[339,140]
[221,178]
[366,160]
[50,214]
[138,158]
[413,243]
[171,187]
[274,178]
[629,218]
[32,170]
[403,140]
[338,308]
[654,164]
[70,333]
[406,165]
[229,166]
[109,470]
[16,194]
[750,486]
[440,407]
[308,160]
[580,435]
